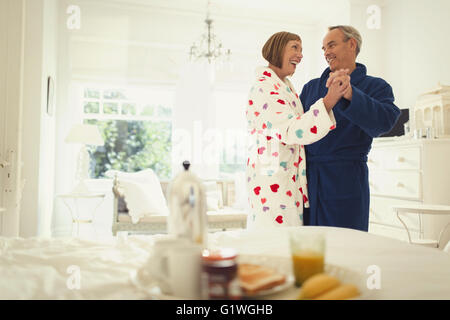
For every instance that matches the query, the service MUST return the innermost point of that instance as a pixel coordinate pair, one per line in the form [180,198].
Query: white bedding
[38,268]
[41,268]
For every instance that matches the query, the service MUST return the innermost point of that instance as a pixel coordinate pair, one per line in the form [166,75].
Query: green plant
[131,146]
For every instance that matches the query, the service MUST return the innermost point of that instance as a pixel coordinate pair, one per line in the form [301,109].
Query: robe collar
[356,77]
[263,72]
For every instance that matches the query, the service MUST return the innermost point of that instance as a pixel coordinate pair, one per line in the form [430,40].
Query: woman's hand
[337,87]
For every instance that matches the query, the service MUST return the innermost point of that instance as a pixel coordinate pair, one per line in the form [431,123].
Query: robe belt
[335,158]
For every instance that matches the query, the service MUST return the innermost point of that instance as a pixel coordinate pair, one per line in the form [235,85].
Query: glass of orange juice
[308,254]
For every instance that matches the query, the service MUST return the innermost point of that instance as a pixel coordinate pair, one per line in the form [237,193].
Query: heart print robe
[276,167]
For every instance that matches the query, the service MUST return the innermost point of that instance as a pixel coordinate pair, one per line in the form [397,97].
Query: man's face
[339,54]
[291,57]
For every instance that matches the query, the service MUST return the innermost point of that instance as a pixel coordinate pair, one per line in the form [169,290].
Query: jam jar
[220,274]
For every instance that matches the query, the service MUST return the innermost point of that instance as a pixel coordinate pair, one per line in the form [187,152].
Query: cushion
[241,197]
[142,193]
[213,194]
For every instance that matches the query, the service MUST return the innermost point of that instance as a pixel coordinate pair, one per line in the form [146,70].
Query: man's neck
[351,68]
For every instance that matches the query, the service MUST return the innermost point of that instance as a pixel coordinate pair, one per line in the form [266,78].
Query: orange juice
[306,264]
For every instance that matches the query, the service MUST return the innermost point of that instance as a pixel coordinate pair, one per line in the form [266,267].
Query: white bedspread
[41,268]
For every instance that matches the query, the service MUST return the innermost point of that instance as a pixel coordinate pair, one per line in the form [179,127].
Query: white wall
[417,47]
[410,49]
[373,52]
[47,151]
[38,126]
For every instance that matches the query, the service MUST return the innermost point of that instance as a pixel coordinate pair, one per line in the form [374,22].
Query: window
[136,125]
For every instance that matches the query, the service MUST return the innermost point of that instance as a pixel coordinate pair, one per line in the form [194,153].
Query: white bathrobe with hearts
[276,166]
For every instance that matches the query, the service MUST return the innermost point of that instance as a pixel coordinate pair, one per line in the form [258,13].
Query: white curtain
[195,136]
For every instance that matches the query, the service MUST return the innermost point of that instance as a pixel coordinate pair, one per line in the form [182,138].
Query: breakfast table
[72,268]
[405,271]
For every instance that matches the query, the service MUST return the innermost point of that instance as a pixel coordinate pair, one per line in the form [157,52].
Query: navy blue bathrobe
[336,166]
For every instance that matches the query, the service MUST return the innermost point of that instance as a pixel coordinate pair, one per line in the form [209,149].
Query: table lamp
[85,134]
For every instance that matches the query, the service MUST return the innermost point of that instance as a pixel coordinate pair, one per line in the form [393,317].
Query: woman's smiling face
[291,57]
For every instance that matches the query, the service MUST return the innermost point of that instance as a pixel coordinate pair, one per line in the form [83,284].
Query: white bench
[223,219]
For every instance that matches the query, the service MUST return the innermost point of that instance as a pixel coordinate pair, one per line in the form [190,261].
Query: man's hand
[348,94]
[336,89]
[338,76]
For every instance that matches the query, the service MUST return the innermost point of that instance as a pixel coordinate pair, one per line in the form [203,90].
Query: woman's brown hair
[274,47]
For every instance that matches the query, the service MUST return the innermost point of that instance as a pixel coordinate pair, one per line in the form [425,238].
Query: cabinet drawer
[391,158]
[396,184]
[381,212]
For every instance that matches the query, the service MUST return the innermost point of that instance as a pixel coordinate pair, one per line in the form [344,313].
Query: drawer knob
[400,159]
[400,185]
[4,164]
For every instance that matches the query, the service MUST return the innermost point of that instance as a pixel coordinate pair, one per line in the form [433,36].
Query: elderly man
[337,171]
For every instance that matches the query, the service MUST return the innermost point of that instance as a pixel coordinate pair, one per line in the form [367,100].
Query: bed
[221,215]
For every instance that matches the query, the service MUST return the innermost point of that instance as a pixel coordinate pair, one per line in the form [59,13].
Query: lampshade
[85,134]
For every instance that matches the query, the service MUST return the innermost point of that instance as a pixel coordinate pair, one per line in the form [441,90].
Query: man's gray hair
[350,32]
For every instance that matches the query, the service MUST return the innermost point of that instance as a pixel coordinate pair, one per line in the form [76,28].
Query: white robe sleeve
[270,111]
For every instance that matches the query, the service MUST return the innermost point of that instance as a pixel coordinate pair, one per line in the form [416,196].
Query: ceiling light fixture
[209,46]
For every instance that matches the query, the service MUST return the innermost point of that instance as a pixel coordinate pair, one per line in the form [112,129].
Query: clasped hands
[338,84]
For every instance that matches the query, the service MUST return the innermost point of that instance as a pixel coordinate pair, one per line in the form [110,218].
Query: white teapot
[187,206]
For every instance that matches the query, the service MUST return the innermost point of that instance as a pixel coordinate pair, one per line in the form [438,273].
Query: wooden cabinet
[406,171]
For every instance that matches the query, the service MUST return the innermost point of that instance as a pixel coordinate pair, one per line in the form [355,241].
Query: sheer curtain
[195,136]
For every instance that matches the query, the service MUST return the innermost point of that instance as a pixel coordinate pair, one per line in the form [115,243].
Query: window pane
[91,107]
[114,94]
[129,109]
[233,159]
[148,110]
[110,108]
[91,93]
[164,111]
[132,146]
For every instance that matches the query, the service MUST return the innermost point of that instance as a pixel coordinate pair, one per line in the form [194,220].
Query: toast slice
[255,278]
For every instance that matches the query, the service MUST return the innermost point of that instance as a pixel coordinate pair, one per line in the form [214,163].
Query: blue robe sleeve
[302,98]
[375,114]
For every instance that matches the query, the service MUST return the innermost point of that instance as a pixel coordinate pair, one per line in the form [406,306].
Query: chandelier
[209,46]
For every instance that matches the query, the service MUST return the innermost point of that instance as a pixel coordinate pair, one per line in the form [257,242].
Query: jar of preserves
[220,274]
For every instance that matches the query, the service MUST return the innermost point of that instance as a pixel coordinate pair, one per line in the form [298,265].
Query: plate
[280,264]
[288,284]
[346,275]
[289,291]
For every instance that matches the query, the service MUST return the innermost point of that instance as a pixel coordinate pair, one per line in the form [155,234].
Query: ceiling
[309,11]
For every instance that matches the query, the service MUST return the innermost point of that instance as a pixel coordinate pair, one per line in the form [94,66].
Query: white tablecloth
[407,271]
[44,268]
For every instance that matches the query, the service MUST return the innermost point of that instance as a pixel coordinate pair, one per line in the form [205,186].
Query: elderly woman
[278,128]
